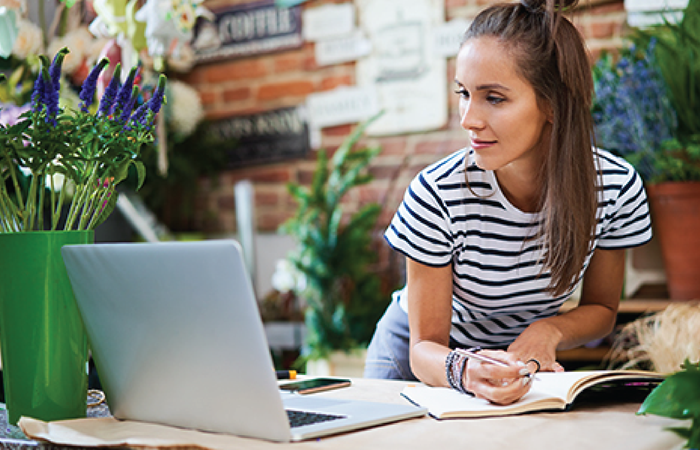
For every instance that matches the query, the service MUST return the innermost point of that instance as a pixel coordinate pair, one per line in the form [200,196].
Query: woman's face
[498,107]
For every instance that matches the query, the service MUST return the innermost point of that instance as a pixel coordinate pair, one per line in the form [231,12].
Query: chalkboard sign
[267,137]
[247,29]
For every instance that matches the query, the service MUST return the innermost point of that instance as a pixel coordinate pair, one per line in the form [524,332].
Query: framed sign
[403,65]
[247,29]
[268,137]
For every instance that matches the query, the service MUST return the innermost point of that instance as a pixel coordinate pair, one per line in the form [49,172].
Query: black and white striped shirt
[499,287]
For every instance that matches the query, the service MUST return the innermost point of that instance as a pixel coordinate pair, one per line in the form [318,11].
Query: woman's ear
[549,111]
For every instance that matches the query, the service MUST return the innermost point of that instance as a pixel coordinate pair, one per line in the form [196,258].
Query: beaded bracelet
[455,365]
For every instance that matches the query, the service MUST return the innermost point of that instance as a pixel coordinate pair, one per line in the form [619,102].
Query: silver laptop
[177,339]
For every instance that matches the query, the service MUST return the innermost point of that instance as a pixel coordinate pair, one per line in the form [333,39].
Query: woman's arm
[429,291]
[593,318]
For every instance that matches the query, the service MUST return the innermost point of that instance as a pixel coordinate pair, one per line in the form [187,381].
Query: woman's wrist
[455,370]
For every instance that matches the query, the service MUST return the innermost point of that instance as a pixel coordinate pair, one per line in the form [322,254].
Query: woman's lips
[479,144]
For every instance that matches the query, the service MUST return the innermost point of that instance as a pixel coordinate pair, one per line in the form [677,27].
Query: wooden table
[599,427]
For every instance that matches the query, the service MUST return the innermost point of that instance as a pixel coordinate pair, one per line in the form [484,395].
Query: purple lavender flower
[87,92]
[39,86]
[45,95]
[129,107]
[150,108]
[55,69]
[633,115]
[110,93]
[156,101]
[139,116]
[125,94]
[36,94]
[51,97]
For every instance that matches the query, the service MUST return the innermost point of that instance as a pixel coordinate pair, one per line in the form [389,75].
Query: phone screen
[315,385]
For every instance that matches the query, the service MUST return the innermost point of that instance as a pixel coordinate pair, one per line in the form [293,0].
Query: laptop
[177,339]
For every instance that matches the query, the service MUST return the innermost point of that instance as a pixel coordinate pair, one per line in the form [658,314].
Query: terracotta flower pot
[675,209]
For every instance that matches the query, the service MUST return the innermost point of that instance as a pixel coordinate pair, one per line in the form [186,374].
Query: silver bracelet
[455,365]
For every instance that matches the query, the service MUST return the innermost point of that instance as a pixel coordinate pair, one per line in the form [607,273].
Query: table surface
[598,426]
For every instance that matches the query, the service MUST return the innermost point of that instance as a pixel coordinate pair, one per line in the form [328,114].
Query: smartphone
[315,385]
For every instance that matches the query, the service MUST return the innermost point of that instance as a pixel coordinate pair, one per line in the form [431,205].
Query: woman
[498,235]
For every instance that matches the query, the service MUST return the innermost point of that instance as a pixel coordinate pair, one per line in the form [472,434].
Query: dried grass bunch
[661,341]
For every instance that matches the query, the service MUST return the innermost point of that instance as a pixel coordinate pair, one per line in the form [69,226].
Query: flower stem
[89,196]
[7,210]
[30,206]
[40,205]
[56,210]
[109,191]
[13,174]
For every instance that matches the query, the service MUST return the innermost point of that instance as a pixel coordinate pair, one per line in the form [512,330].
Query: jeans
[388,352]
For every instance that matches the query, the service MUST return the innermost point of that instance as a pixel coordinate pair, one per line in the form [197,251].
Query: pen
[484,358]
[286,374]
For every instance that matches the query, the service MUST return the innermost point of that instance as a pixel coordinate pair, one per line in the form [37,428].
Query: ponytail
[550,54]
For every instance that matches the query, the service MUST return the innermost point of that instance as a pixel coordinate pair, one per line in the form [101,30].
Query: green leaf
[677,397]
[140,174]
[106,210]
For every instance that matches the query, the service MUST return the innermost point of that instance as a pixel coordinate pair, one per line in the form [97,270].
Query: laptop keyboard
[301,418]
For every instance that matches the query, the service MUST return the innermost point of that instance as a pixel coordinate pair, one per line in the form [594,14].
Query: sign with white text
[247,29]
[268,137]
[341,106]
[340,50]
[328,21]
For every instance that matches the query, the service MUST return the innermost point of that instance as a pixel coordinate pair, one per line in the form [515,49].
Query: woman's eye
[462,93]
[494,100]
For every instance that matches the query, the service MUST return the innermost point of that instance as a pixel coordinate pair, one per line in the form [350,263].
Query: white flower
[285,277]
[28,40]
[184,108]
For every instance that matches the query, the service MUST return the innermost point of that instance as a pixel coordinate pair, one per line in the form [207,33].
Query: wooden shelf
[629,307]
[583,354]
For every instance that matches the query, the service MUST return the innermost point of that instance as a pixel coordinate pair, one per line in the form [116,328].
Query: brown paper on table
[110,432]
[604,428]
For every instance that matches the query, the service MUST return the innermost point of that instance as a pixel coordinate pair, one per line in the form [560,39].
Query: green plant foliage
[334,256]
[93,151]
[678,56]
[647,101]
[678,397]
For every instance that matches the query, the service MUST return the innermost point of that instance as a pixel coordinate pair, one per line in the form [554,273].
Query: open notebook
[177,339]
[550,392]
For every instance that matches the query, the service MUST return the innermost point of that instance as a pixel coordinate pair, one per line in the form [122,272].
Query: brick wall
[260,83]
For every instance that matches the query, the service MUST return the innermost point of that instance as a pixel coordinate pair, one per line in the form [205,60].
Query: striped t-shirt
[498,285]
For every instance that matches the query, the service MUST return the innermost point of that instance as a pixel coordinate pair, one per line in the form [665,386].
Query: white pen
[488,359]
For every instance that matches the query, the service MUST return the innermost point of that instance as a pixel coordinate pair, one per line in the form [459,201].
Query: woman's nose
[470,117]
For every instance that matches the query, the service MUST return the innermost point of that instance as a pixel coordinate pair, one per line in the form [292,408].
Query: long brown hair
[550,54]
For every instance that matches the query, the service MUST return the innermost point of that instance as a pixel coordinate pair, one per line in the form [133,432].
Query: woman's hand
[538,342]
[497,384]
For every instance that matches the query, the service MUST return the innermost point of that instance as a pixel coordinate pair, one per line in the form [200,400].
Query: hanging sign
[247,29]
[268,137]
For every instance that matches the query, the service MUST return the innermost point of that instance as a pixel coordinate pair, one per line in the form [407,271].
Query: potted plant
[646,109]
[678,397]
[334,254]
[48,152]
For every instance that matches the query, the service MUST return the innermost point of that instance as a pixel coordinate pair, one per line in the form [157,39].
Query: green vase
[44,347]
